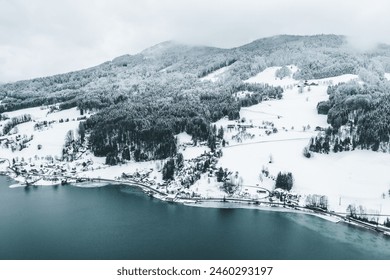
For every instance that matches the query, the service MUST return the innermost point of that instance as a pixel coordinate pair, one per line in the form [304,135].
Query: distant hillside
[317,56]
[142,100]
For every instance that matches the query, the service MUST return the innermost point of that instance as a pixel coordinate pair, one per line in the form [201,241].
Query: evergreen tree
[168,170]
[220,132]
[69,138]
[220,174]
[179,160]
[126,153]
[336,146]
[211,142]
[81,132]
[326,146]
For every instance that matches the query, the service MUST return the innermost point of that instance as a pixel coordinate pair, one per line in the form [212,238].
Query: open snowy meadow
[357,177]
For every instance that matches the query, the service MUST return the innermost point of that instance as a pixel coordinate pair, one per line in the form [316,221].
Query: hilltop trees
[114,82]
[140,102]
[359,115]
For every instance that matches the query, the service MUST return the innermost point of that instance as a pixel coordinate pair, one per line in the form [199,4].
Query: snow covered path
[266,141]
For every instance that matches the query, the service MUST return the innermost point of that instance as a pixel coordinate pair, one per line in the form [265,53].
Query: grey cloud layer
[39,38]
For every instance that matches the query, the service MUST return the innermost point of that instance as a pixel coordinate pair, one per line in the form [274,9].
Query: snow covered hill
[216,75]
[356,177]
[268,77]
[174,87]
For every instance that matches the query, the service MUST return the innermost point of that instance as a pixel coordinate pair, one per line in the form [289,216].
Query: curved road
[266,141]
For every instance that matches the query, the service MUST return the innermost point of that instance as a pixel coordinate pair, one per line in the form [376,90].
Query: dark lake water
[120,222]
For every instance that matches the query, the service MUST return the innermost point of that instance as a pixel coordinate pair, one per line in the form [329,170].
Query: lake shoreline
[223,203]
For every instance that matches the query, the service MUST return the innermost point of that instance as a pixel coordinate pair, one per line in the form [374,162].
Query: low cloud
[39,38]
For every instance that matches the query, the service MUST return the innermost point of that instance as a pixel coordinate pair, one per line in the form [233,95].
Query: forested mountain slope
[141,101]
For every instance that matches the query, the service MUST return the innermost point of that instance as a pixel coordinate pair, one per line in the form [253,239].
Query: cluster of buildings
[192,171]
[16,143]
[289,198]
[53,171]
[142,176]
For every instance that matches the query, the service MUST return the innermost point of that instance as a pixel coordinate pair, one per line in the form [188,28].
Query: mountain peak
[163,47]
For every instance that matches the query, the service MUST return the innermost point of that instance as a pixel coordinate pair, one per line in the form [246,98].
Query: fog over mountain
[40,38]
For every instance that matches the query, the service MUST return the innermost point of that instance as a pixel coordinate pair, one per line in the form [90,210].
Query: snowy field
[112,172]
[36,112]
[357,177]
[184,142]
[215,75]
[268,77]
[51,137]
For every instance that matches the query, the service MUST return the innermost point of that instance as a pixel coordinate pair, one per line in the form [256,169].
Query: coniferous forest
[139,102]
[359,114]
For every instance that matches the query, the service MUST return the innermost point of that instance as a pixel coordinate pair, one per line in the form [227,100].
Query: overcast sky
[46,37]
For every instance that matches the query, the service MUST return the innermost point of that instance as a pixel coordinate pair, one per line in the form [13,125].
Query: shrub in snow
[307,153]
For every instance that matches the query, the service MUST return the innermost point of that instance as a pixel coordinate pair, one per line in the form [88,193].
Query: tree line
[359,115]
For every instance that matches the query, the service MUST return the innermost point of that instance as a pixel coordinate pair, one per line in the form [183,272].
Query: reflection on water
[359,238]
